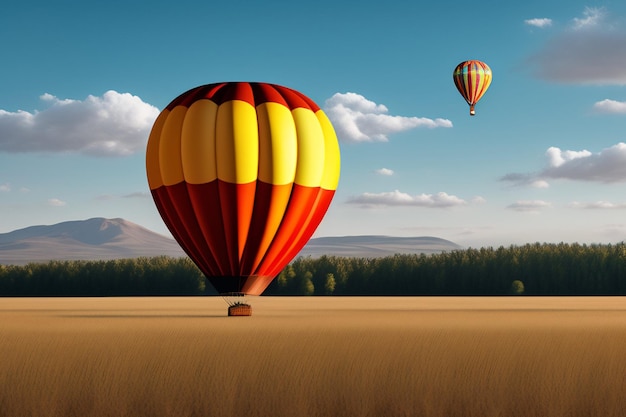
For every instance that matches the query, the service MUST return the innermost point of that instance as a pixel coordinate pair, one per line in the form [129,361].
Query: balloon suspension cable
[237,304]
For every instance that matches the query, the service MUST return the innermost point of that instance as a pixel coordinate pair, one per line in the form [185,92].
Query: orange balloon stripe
[295,220]
[317,212]
[268,244]
[237,205]
[270,204]
[257,284]
[302,199]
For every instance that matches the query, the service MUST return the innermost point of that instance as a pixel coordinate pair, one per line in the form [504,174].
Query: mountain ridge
[99,238]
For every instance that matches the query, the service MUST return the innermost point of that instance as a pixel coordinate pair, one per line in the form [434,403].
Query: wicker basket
[240,310]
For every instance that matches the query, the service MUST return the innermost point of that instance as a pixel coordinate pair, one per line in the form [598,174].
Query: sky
[543,160]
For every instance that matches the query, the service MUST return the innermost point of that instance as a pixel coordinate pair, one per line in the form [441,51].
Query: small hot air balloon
[472,79]
[242,174]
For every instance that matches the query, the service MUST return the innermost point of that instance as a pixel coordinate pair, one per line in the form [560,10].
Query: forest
[531,269]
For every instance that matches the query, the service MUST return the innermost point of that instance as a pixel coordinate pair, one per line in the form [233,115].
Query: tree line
[120,277]
[532,269]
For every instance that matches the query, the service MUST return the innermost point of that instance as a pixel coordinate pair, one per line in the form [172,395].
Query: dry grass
[313,357]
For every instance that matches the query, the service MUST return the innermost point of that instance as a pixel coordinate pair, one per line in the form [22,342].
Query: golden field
[314,356]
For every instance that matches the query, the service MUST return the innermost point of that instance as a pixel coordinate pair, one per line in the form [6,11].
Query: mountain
[92,239]
[376,246]
[103,239]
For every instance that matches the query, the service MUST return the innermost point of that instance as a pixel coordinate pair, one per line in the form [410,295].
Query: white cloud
[610,106]
[385,172]
[397,198]
[602,205]
[115,124]
[529,205]
[539,184]
[6,187]
[357,119]
[592,17]
[55,202]
[557,157]
[606,166]
[591,51]
[539,22]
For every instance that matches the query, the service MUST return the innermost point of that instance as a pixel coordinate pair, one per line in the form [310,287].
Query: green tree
[329,286]
[517,287]
[306,285]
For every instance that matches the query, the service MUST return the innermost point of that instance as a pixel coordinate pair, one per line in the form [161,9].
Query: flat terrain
[313,356]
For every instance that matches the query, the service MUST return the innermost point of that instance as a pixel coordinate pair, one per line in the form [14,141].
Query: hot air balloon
[472,79]
[242,174]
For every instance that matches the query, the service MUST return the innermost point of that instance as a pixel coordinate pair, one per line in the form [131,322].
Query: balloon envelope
[472,79]
[242,174]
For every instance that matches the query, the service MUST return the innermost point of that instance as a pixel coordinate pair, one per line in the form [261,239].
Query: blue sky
[543,160]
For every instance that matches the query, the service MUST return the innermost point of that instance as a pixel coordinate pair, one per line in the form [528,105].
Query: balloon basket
[237,304]
[240,310]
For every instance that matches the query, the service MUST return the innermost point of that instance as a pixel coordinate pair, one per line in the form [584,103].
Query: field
[313,356]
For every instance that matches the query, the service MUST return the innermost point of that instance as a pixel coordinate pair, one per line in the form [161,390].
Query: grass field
[313,356]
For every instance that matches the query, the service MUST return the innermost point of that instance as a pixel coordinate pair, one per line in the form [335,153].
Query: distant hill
[92,239]
[103,239]
[376,246]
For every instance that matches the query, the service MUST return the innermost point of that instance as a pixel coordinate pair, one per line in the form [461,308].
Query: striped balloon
[472,79]
[242,174]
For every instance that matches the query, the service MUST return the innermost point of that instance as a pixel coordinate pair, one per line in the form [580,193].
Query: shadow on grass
[143,316]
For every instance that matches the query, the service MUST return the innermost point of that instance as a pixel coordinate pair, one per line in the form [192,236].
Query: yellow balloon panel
[198,142]
[278,144]
[332,159]
[170,159]
[311,153]
[237,142]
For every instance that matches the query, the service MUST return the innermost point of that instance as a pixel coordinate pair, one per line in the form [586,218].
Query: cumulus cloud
[55,202]
[6,187]
[398,198]
[541,22]
[592,50]
[557,157]
[606,166]
[529,205]
[115,124]
[384,172]
[610,106]
[357,119]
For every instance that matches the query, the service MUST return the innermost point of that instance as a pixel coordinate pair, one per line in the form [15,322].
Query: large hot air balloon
[472,79]
[242,174]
